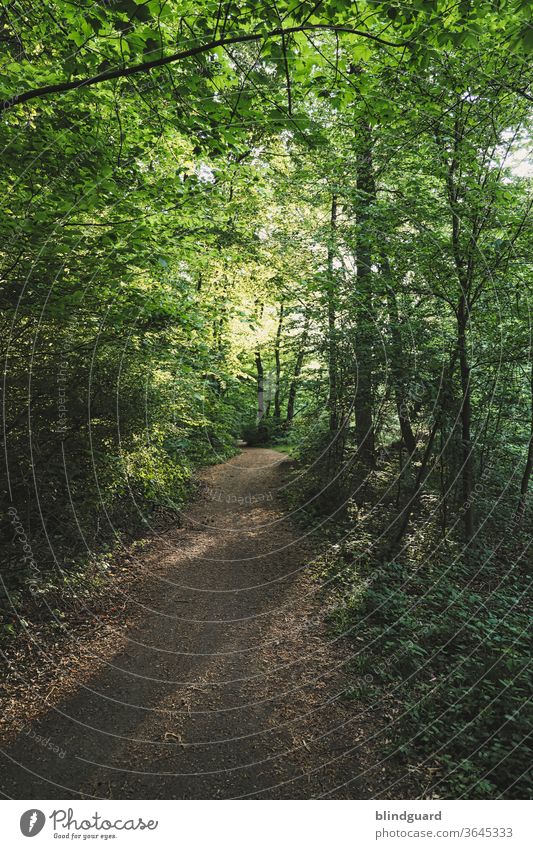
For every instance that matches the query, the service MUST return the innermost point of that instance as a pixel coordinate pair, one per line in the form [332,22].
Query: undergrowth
[440,643]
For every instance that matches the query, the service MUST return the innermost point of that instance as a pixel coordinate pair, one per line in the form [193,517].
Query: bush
[259,434]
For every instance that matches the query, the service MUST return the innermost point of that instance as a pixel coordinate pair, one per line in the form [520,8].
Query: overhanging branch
[60,88]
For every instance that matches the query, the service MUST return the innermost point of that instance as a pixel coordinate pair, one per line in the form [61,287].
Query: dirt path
[226,687]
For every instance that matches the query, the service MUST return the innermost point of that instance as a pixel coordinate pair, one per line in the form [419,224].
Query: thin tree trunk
[464,266]
[295,377]
[466,421]
[524,486]
[277,392]
[396,363]
[332,322]
[260,386]
[400,474]
[260,372]
[404,515]
[443,496]
[363,402]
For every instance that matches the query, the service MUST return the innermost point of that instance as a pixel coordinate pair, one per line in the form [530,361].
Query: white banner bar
[268,824]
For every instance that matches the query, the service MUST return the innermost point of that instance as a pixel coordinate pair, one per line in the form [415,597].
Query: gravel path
[225,686]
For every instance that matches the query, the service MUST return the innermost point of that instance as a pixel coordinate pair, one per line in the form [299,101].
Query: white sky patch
[520,162]
[205,174]
[519,159]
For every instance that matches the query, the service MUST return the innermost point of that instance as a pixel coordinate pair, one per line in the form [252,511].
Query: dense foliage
[306,224]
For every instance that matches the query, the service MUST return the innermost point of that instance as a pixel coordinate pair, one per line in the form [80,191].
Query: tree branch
[59,88]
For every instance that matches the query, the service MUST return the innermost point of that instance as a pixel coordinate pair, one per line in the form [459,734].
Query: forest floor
[217,680]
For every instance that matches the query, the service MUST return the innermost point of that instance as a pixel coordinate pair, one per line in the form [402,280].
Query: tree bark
[466,420]
[296,374]
[404,516]
[332,322]
[260,386]
[277,392]
[396,362]
[363,402]
[260,372]
[464,266]
[524,486]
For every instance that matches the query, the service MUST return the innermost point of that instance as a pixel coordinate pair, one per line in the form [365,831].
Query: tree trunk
[332,321]
[260,386]
[397,361]
[296,374]
[524,486]
[363,402]
[466,420]
[443,487]
[404,516]
[464,266]
[260,371]
[277,401]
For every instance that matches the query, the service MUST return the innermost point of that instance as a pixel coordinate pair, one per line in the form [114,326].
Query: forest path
[226,686]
